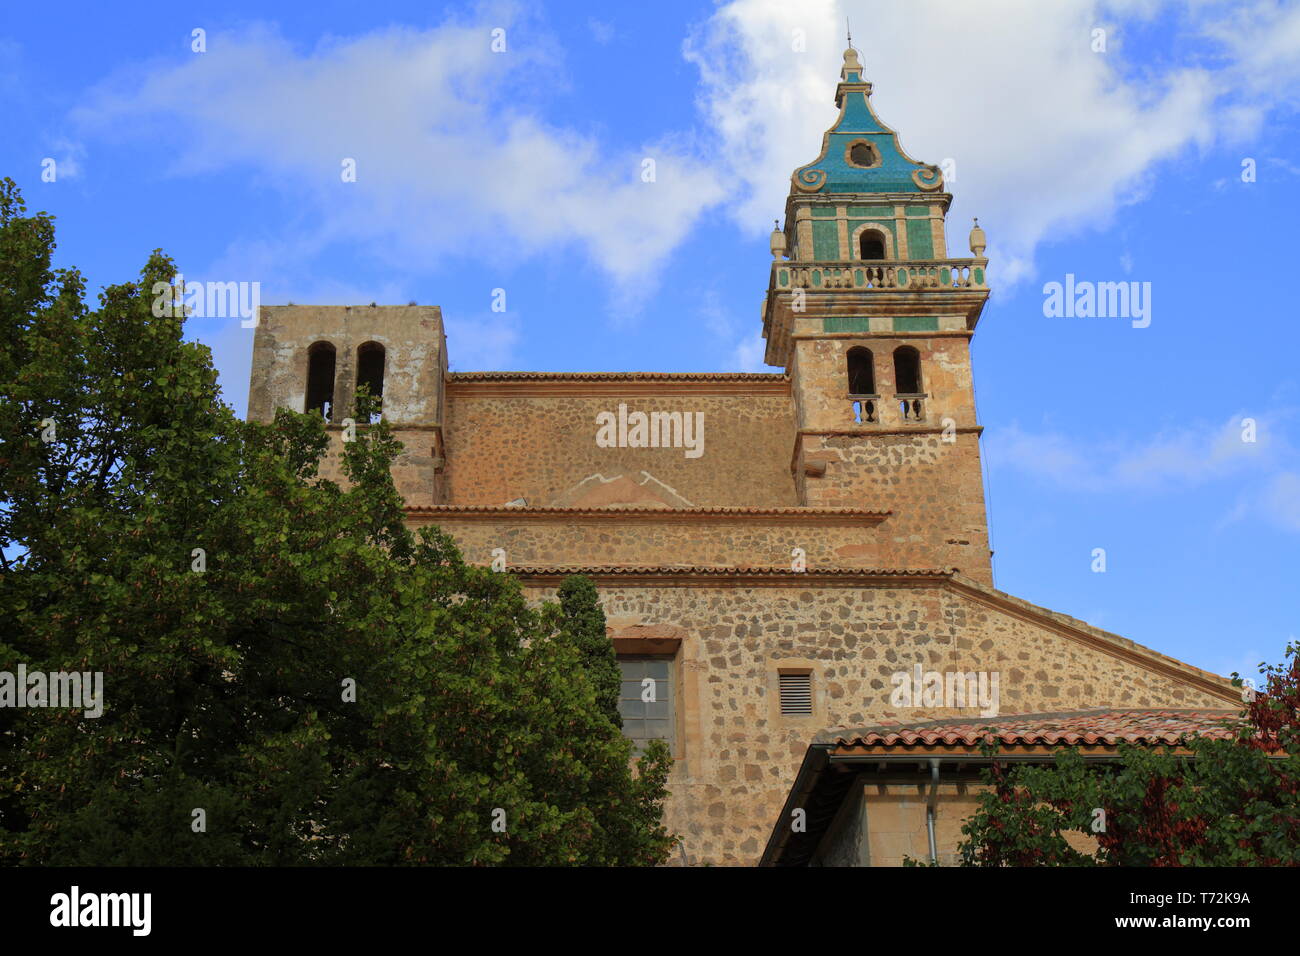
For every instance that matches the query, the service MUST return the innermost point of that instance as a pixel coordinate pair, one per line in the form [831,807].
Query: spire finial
[850,56]
[978,241]
[777,241]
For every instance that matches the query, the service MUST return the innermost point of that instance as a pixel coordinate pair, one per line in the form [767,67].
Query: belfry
[873,323]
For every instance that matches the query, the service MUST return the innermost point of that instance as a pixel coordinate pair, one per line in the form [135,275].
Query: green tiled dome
[890,170]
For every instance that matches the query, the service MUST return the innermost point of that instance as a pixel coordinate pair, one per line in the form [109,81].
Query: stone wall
[820,377]
[737,755]
[846,841]
[415,365]
[928,474]
[536,439]
[416,472]
[668,538]
[414,368]
[932,487]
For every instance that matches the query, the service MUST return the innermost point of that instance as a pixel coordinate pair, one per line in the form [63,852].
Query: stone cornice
[940,334]
[733,577]
[551,515]
[616,384]
[867,432]
[395,426]
[459,377]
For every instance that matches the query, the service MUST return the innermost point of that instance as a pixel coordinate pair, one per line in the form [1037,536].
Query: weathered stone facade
[824,522]
[733,633]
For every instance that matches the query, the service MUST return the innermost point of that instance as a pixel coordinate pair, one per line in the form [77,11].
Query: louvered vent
[796,695]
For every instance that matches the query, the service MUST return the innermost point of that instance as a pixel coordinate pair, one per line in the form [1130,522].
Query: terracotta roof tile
[616,511]
[1087,727]
[618,376]
[616,569]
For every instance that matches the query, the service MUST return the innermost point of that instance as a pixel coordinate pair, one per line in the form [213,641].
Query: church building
[797,562]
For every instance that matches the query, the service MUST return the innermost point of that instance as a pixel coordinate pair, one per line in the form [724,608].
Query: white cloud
[1263,39]
[485,341]
[1257,480]
[455,158]
[1189,456]
[1279,163]
[68,156]
[743,345]
[748,355]
[601,31]
[1281,500]
[452,158]
[1047,136]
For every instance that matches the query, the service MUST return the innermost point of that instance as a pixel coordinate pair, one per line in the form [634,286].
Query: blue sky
[520,170]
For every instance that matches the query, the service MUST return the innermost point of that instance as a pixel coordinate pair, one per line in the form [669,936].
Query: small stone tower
[311,357]
[873,322]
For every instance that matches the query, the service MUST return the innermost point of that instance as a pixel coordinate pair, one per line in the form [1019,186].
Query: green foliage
[224,688]
[1209,802]
[584,624]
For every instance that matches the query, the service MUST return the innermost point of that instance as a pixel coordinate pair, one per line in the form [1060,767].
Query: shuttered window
[796,695]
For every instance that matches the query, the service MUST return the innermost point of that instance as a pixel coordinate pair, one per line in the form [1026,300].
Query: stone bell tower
[872,321]
[314,357]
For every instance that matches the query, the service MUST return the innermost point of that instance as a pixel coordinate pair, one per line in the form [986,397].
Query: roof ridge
[619,376]
[1037,715]
[645,509]
[723,570]
[1090,726]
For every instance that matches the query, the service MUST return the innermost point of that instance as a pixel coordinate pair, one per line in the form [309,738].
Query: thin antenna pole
[849,31]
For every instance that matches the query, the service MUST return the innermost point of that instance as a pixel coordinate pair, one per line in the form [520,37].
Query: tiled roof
[820,788]
[617,569]
[618,376]
[1083,727]
[619,511]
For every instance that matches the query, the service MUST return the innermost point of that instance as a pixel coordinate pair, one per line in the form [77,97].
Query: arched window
[320,379]
[370,369]
[871,244]
[862,372]
[907,371]
[862,384]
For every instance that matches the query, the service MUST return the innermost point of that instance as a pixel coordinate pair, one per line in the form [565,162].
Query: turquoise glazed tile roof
[832,172]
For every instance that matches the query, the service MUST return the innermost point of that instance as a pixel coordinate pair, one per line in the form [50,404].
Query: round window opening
[863,155]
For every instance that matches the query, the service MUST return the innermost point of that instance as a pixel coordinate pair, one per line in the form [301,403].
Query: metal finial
[848,30]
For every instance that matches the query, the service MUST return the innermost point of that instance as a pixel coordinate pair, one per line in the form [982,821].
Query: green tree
[584,623]
[1223,802]
[279,652]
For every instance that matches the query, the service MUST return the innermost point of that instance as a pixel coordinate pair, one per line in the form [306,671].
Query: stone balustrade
[872,410]
[897,275]
[866,409]
[911,408]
